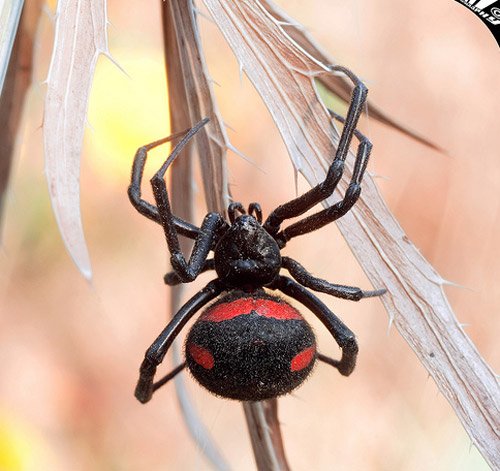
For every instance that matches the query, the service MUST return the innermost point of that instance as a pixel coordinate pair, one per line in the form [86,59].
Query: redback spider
[250,345]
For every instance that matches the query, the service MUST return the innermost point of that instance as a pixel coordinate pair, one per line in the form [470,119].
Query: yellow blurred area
[51,5]
[21,446]
[128,109]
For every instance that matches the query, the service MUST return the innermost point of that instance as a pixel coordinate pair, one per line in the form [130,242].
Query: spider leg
[169,376]
[359,135]
[339,209]
[327,360]
[317,284]
[156,352]
[340,332]
[173,279]
[134,190]
[315,195]
[210,227]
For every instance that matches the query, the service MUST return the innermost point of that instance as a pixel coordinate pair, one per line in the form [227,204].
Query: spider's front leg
[155,354]
[173,279]
[339,209]
[212,225]
[344,337]
[134,190]
[320,192]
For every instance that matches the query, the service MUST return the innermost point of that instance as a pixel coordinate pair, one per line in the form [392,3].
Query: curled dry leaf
[283,73]
[80,37]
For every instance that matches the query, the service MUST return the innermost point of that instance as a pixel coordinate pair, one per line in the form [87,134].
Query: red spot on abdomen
[201,356]
[302,359]
[262,306]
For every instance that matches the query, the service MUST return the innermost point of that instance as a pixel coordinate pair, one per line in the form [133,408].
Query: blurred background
[70,350]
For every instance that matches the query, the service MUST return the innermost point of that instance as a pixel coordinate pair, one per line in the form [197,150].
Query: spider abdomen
[250,347]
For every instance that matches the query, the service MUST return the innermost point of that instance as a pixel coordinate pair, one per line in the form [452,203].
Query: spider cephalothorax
[250,345]
[246,256]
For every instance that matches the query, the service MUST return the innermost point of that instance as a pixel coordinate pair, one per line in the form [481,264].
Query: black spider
[250,345]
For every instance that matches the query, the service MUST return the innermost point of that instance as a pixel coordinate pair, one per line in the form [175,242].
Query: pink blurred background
[70,350]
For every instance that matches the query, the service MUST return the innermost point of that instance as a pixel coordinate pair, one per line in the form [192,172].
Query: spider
[250,345]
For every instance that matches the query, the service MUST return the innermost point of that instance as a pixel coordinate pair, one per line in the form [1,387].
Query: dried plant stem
[265,433]
[191,99]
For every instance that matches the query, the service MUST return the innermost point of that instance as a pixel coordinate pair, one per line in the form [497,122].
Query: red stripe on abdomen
[302,359]
[262,306]
[201,356]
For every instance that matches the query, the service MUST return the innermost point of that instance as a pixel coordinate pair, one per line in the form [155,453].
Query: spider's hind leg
[157,351]
[168,376]
[328,360]
[344,337]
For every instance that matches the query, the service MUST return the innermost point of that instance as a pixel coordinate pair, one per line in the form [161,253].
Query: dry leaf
[79,39]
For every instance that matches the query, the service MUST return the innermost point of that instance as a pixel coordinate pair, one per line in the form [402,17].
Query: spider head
[246,256]
[254,210]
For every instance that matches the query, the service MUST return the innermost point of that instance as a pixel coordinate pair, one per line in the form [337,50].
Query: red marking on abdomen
[302,359]
[201,356]
[262,306]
